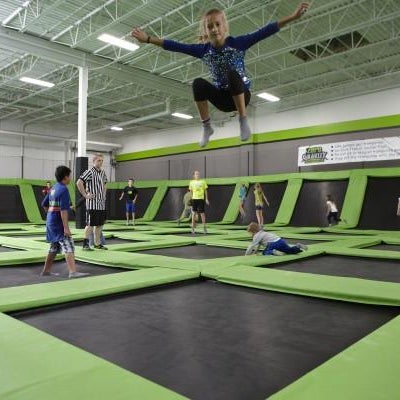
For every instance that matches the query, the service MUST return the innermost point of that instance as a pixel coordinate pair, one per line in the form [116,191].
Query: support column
[81,161]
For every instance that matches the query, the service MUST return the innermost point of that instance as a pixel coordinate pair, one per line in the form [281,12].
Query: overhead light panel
[106,38]
[183,116]
[37,82]
[268,97]
[116,128]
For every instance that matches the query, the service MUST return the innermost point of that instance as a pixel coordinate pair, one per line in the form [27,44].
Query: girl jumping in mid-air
[224,57]
[259,198]
[242,199]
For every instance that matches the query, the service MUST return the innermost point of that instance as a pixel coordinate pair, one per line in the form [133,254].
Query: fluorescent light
[118,42]
[36,82]
[269,97]
[183,116]
[26,3]
[12,16]
[116,128]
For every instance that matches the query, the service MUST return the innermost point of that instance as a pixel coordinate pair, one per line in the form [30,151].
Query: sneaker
[85,245]
[245,131]
[43,273]
[193,231]
[77,274]
[208,130]
[100,247]
[302,246]
[277,253]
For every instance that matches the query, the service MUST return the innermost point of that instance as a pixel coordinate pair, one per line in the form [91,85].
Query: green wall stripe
[288,134]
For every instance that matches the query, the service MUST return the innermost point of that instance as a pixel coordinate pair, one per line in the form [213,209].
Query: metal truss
[17,68]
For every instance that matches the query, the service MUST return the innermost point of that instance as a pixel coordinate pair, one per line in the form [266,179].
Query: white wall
[264,120]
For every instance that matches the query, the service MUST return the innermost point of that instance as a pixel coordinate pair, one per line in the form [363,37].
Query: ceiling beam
[61,54]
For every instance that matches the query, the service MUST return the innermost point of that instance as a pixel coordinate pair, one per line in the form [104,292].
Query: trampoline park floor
[208,340]
[201,326]
[195,251]
[18,275]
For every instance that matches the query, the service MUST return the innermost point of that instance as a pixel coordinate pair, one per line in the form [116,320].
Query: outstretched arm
[195,50]
[300,10]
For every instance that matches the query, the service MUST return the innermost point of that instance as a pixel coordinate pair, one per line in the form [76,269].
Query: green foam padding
[353,200]
[36,365]
[39,295]
[288,202]
[22,257]
[155,202]
[135,260]
[365,253]
[322,286]
[29,202]
[367,370]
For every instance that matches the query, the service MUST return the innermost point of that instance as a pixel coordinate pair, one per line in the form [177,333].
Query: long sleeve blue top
[228,57]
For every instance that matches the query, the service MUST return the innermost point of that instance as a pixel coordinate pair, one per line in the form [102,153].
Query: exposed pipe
[164,113]
[57,138]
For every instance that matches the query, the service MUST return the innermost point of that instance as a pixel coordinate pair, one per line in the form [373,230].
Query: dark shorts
[96,217]
[130,207]
[198,205]
[65,246]
[259,208]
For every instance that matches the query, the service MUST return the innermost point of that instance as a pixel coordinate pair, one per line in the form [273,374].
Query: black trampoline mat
[273,192]
[310,208]
[380,204]
[171,206]
[391,247]
[207,340]
[11,206]
[7,249]
[20,275]
[195,251]
[39,196]
[353,267]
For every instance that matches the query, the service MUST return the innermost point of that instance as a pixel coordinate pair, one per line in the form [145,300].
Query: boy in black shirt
[131,194]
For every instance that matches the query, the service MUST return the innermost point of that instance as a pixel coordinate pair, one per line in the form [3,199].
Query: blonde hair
[253,227]
[202,35]
[97,156]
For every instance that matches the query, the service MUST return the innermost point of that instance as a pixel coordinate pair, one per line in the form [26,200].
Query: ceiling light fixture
[106,38]
[183,116]
[116,128]
[268,97]
[37,82]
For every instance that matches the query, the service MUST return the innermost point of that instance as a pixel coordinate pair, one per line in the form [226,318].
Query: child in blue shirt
[224,56]
[57,205]
[242,199]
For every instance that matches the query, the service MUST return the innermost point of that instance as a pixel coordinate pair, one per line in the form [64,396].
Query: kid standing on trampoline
[242,199]
[198,187]
[259,198]
[332,212]
[57,205]
[274,245]
[224,56]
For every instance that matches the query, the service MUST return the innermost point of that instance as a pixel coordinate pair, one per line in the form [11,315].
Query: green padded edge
[30,205]
[32,296]
[321,286]
[155,203]
[36,365]
[354,199]
[365,253]
[288,202]
[367,370]
[288,134]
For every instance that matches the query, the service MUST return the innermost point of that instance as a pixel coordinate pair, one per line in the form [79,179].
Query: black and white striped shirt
[95,182]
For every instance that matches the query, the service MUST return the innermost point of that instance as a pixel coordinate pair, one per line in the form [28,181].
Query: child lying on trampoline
[274,245]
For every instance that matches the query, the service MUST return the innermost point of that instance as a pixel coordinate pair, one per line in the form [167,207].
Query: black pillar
[81,165]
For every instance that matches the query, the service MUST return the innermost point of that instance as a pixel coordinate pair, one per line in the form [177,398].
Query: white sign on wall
[346,152]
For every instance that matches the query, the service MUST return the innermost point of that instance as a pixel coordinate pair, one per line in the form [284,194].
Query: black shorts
[198,205]
[96,217]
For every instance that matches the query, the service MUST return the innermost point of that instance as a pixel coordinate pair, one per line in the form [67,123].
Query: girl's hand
[301,9]
[140,35]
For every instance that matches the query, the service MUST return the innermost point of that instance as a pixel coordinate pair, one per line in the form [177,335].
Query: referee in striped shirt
[92,185]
